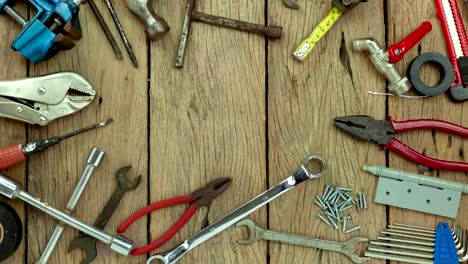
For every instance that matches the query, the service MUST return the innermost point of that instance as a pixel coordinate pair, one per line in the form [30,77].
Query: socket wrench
[95,157]
[12,190]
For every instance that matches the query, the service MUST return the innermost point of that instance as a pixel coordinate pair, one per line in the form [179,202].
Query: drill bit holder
[52,29]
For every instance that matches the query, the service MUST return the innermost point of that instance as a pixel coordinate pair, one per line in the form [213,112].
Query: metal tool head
[212,190]
[66,94]
[88,245]
[253,232]
[155,26]
[366,128]
[351,246]
[124,181]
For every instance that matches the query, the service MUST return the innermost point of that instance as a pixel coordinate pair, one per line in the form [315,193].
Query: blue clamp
[444,250]
[49,31]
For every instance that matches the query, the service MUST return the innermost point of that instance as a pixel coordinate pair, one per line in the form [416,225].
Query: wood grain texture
[402,21]
[303,100]
[242,107]
[13,132]
[208,121]
[121,94]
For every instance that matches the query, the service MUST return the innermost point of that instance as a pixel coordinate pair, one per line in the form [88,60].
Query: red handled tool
[456,41]
[381,131]
[397,51]
[197,199]
[13,155]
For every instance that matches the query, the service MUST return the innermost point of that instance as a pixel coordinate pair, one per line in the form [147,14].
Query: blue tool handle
[444,251]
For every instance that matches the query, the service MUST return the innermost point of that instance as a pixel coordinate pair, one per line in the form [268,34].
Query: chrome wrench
[300,175]
[347,248]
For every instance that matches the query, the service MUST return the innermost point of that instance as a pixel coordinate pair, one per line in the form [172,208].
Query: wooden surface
[241,108]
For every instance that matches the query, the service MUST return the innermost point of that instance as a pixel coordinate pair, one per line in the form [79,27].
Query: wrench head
[124,181]
[350,248]
[253,232]
[88,245]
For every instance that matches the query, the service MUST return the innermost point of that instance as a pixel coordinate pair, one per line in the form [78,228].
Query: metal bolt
[41,90]
[361,203]
[345,223]
[346,203]
[326,192]
[352,230]
[342,195]
[337,213]
[320,201]
[19,109]
[323,219]
[331,196]
[364,201]
[320,205]
[345,190]
[333,222]
[346,208]
[331,215]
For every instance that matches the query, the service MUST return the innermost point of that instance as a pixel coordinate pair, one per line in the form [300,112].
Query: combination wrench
[302,174]
[347,248]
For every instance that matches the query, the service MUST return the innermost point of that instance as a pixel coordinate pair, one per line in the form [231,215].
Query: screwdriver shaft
[122,34]
[106,29]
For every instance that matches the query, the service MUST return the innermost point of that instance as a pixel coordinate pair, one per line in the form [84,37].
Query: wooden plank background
[241,108]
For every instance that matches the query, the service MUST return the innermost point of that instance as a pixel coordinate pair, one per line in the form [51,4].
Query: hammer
[155,26]
[273,32]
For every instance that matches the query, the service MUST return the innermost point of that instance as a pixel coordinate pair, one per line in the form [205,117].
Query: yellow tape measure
[303,50]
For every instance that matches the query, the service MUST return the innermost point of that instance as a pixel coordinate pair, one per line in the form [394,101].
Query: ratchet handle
[433,124]
[397,51]
[11,156]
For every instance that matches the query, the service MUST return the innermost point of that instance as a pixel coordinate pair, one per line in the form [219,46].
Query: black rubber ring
[11,230]
[444,66]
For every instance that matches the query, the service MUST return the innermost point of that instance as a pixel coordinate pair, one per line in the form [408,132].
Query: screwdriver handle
[11,156]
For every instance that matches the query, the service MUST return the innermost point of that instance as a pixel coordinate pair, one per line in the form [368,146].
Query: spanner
[301,175]
[88,243]
[94,159]
[347,248]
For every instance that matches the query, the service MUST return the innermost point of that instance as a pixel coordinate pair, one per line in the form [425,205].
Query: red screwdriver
[16,154]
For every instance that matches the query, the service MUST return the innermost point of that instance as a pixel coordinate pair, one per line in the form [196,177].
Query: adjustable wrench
[347,248]
[300,175]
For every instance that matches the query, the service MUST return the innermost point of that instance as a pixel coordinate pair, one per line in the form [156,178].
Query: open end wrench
[347,248]
[302,174]
[88,243]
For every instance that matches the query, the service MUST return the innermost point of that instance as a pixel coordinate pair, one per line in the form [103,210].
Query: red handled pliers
[381,131]
[197,199]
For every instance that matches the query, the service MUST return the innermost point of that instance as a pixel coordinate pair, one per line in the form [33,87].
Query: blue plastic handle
[444,251]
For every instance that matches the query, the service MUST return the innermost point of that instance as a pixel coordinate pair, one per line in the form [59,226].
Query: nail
[323,219]
[352,230]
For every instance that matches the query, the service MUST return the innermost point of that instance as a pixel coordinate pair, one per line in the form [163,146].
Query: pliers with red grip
[197,199]
[381,131]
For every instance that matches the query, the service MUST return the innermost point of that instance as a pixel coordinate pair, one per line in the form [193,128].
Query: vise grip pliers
[39,100]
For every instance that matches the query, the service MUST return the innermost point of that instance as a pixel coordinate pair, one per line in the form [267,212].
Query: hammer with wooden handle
[155,26]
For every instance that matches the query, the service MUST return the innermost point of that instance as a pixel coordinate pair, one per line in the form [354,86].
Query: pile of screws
[337,201]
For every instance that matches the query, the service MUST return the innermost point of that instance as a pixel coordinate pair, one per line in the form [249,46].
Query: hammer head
[155,26]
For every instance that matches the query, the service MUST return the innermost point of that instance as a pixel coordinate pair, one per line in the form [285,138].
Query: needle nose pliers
[381,131]
[197,199]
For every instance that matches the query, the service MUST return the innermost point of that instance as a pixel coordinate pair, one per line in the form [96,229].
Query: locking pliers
[39,100]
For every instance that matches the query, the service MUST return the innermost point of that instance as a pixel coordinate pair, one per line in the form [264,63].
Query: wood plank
[121,94]
[303,100]
[208,121]
[13,132]
[403,19]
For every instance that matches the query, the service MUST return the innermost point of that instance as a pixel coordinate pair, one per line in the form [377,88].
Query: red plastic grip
[11,156]
[169,234]
[397,51]
[409,125]
[412,155]
[457,79]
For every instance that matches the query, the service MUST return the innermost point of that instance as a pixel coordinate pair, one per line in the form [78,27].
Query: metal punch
[39,100]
